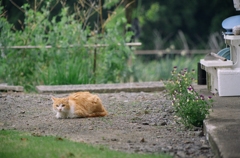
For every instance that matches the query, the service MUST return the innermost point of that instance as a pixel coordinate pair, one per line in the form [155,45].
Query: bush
[191,107]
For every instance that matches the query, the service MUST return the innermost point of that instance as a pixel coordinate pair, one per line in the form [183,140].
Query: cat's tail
[98,114]
[101,111]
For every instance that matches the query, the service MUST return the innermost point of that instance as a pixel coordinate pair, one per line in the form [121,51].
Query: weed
[191,107]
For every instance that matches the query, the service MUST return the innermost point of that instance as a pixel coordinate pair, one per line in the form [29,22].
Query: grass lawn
[15,144]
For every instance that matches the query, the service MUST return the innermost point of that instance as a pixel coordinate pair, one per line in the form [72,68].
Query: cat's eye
[57,105]
[63,105]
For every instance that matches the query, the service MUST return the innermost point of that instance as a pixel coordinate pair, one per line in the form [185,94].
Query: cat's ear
[53,98]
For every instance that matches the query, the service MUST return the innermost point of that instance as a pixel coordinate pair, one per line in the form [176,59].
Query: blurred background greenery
[73,27]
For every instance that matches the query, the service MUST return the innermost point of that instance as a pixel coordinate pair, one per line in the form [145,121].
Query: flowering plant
[188,104]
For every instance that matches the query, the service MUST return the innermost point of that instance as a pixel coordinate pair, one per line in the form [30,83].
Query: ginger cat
[80,104]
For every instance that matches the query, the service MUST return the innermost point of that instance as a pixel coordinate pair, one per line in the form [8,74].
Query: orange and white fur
[80,104]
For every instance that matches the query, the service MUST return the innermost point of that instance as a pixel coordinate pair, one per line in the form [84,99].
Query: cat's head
[60,104]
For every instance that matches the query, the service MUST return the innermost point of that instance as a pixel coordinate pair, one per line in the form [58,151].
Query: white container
[228,82]
[211,67]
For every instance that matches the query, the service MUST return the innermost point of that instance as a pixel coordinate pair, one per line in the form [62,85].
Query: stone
[153,124]
[129,141]
[90,128]
[114,139]
[181,154]
[164,114]
[142,140]
[204,147]
[163,123]
[22,112]
[200,133]
[145,123]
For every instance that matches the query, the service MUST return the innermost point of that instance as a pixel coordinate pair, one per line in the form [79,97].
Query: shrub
[190,106]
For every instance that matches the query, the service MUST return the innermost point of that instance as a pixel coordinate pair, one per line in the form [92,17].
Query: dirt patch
[137,122]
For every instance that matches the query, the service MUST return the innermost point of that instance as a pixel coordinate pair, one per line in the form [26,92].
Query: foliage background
[163,19]
[71,58]
[162,25]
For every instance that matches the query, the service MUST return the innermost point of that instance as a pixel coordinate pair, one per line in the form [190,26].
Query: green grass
[15,144]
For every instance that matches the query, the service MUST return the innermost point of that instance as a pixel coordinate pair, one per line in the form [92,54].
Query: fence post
[94,64]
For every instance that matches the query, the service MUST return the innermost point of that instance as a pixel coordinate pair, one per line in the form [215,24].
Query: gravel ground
[137,122]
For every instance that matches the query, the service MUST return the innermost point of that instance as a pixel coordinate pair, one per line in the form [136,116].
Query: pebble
[164,114]
[181,154]
[22,112]
[204,147]
[114,139]
[153,124]
[145,123]
[163,123]
[142,140]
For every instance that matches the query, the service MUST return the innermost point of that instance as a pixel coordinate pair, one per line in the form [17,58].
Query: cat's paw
[61,116]
[58,116]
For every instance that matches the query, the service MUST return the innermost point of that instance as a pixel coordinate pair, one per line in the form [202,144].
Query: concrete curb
[208,131]
[5,87]
[104,88]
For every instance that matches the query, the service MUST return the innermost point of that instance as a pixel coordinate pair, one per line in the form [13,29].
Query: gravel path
[137,122]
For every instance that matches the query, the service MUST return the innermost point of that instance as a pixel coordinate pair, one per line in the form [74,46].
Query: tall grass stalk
[68,68]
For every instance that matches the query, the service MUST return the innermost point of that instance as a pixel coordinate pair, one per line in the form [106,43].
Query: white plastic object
[228,82]
[236,4]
